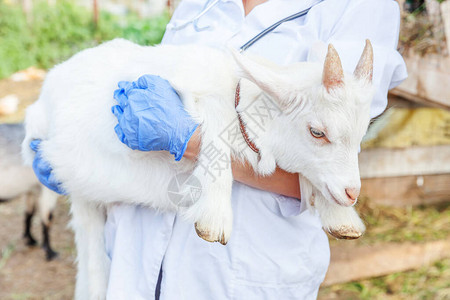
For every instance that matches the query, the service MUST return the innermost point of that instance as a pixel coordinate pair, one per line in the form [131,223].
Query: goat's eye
[316,133]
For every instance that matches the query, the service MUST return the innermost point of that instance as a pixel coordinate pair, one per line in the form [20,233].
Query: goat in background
[19,180]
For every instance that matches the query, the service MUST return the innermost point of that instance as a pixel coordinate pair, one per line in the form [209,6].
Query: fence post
[95,13]
[27,7]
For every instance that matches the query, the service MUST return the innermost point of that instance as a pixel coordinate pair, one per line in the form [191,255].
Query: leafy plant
[16,40]
[55,32]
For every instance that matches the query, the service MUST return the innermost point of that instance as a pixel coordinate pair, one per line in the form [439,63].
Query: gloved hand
[152,117]
[43,170]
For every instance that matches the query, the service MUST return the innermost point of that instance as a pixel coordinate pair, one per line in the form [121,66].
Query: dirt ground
[26,91]
[24,272]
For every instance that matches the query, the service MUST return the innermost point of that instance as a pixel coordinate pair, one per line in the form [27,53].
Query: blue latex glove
[43,170]
[152,117]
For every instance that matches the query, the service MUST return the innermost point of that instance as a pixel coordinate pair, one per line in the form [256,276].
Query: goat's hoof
[345,233]
[206,234]
[50,254]
[30,241]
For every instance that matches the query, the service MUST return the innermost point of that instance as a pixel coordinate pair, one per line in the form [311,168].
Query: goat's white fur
[74,120]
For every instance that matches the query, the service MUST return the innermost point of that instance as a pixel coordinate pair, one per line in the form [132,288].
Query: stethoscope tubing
[273,27]
[194,21]
[210,4]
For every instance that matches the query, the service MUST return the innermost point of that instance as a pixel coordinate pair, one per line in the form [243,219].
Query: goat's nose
[352,193]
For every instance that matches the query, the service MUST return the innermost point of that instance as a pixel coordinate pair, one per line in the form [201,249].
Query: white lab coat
[277,249]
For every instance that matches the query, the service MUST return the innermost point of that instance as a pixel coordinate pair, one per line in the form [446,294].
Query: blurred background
[405,161]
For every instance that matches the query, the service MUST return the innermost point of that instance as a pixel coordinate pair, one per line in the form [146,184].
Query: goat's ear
[268,76]
[364,69]
[333,74]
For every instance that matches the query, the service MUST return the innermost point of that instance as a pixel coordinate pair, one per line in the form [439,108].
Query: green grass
[431,282]
[54,33]
[6,254]
[21,296]
[402,224]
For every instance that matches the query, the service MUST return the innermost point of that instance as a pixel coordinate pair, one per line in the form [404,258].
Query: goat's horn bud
[364,69]
[333,74]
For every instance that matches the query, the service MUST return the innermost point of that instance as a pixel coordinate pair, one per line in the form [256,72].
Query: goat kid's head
[325,114]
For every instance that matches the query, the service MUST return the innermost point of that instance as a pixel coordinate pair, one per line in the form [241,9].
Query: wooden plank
[445,13]
[383,162]
[349,263]
[403,102]
[421,101]
[407,190]
[428,79]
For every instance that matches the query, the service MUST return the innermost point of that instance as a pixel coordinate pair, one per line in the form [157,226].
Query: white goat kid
[73,118]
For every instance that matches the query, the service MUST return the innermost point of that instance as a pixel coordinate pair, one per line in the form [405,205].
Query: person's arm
[151,117]
[280,182]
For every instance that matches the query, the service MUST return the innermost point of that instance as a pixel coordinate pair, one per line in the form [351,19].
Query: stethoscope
[211,3]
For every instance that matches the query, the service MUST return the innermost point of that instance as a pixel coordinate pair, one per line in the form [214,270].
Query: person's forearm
[193,146]
[280,182]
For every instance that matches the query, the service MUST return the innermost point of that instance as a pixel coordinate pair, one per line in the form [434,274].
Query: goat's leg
[80,227]
[30,209]
[88,221]
[339,221]
[212,213]
[47,203]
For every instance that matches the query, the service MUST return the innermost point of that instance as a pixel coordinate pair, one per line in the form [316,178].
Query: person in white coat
[278,249]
